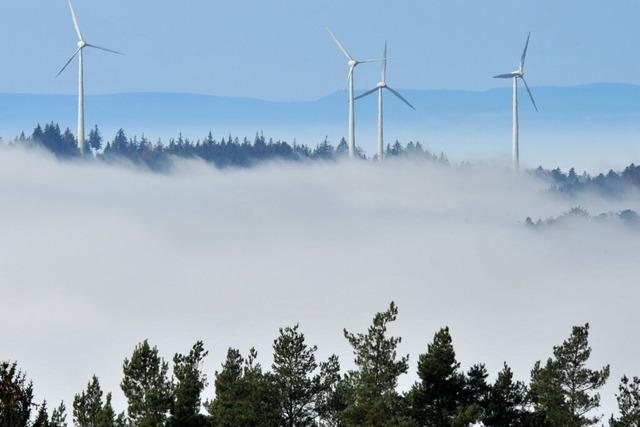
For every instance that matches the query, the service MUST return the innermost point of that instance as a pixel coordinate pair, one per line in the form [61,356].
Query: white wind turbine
[515,75]
[380,89]
[79,53]
[352,65]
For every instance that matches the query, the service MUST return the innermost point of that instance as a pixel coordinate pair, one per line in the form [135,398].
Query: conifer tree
[438,395]
[16,396]
[564,390]
[628,403]
[95,139]
[147,387]
[42,417]
[369,392]
[59,416]
[301,382]
[475,397]
[90,409]
[507,405]
[190,382]
[245,396]
[88,404]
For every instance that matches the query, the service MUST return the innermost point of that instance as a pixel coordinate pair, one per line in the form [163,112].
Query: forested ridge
[232,151]
[300,390]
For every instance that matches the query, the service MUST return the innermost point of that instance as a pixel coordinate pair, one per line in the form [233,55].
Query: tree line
[300,390]
[579,214]
[235,152]
[611,184]
[226,152]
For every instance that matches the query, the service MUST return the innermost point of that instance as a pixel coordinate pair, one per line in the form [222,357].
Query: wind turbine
[515,75]
[381,86]
[352,63]
[79,53]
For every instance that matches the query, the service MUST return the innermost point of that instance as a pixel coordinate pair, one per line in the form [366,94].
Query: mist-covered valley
[97,257]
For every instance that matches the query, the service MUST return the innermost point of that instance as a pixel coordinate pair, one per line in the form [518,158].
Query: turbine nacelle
[352,63]
[82,44]
[381,85]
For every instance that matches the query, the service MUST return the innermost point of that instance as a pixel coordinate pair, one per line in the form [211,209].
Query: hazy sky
[278,49]
[94,259]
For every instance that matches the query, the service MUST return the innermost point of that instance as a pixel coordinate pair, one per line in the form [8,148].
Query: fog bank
[95,258]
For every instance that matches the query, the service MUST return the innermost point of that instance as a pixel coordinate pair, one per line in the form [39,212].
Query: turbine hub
[81,44]
[382,85]
[353,63]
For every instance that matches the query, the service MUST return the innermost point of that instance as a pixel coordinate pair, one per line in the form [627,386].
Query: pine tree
[628,403]
[301,382]
[89,408]
[475,397]
[369,392]
[564,390]
[88,404]
[438,396]
[95,139]
[16,396]
[342,149]
[147,387]
[42,417]
[190,382]
[507,402]
[245,396]
[59,416]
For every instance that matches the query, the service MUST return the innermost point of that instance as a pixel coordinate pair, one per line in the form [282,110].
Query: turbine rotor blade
[524,53]
[396,93]
[104,49]
[504,76]
[367,93]
[533,101]
[340,46]
[68,62]
[384,64]
[75,21]
[368,61]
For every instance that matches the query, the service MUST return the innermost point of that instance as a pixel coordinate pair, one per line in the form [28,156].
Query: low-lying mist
[95,258]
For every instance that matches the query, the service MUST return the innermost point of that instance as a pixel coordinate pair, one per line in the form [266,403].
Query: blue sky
[279,50]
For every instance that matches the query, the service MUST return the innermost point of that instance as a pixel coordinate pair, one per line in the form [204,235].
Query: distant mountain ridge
[441,117]
[607,100]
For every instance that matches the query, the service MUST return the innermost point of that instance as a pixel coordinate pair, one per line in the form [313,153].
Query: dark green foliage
[564,390]
[87,405]
[42,417]
[628,403]
[59,416]
[301,391]
[507,404]
[190,382]
[368,394]
[91,410]
[301,382]
[439,394]
[16,397]
[147,387]
[475,397]
[245,396]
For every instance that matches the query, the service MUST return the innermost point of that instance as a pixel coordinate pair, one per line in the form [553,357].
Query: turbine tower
[381,86]
[515,75]
[80,54]
[352,63]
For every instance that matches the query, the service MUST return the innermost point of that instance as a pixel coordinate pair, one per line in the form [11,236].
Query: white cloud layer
[94,259]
